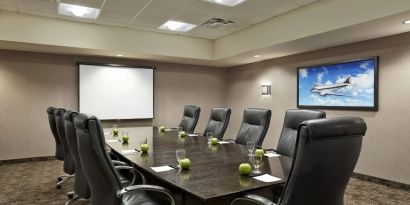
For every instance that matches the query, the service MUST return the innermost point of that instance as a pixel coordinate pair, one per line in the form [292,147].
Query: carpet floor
[34,183]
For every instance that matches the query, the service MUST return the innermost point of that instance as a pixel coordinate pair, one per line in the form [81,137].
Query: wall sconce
[266,89]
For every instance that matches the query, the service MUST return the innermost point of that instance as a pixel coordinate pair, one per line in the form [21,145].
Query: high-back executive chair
[218,122]
[81,188]
[326,154]
[293,117]
[255,125]
[105,185]
[68,167]
[190,118]
[52,122]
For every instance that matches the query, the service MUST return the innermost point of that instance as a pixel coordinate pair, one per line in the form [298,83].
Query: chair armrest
[145,187]
[116,162]
[253,199]
[134,171]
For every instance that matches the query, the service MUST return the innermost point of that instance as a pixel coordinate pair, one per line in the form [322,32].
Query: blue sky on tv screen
[359,93]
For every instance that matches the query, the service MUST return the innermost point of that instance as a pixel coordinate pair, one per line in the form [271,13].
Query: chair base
[62,179]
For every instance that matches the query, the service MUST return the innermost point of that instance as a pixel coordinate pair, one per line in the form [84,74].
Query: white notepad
[272,155]
[193,135]
[267,178]
[131,151]
[162,168]
[113,140]
[223,142]
[107,133]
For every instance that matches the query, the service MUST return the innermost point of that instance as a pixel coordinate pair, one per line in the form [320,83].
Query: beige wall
[30,82]
[385,148]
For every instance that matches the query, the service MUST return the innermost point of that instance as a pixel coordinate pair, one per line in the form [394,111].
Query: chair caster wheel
[58,186]
[59,179]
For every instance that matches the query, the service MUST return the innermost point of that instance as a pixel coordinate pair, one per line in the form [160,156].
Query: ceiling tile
[8,3]
[126,6]
[115,17]
[207,8]
[88,3]
[301,2]
[193,18]
[157,12]
[37,7]
[150,23]
[174,4]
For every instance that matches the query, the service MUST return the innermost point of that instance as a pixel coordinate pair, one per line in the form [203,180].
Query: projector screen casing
[130,95]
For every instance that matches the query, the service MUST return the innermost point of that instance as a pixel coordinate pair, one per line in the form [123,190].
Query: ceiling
[150,14]
[34,25]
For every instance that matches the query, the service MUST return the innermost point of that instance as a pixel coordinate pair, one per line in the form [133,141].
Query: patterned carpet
[34,183]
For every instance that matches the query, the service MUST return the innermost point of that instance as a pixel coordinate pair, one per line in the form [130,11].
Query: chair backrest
[52,122]
[97,166]
[293,117]
[69,166]
[255,125]
[81,187]
[218,122]
[190,118]
[326,154]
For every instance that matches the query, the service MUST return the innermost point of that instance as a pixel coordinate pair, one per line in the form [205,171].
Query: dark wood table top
[214,170]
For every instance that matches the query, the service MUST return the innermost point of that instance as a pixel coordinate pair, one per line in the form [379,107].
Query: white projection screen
[114,92]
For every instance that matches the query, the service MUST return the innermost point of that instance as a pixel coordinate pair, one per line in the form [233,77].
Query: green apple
[259,152]
[115,132]
[245,169]
[144,147]
[182,134]
[162,129]
[214,141]
[185,164]
[125,138]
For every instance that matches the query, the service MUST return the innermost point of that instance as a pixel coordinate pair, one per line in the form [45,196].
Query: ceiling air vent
[218,23]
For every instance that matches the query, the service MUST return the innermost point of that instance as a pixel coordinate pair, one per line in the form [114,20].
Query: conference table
[213,177]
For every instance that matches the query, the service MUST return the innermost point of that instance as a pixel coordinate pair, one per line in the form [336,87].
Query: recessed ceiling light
[177,26]
[406,22]
[78,11]
[226,2]
[119,55]
[257,56]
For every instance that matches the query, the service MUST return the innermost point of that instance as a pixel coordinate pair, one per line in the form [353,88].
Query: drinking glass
[180,153]
[256,161]
[251,147]
[179,130]
[209,135]
[143,140]
[115,130]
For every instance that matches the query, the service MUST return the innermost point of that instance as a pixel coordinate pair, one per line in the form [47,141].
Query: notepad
[113,140]
[193,135]
[107,133]
[272,154]
[162,168]
[267,178]
[223,142]
[131,151]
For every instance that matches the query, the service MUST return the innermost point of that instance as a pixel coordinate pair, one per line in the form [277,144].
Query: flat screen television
[348,85]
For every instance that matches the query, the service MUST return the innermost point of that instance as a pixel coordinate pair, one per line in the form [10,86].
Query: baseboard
[23,160]
[385,182]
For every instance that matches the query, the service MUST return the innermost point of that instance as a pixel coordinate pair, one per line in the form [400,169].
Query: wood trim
[381,181]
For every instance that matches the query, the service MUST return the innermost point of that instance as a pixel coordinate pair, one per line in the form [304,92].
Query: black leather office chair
[293,117]
[218,122]
[69,167]
[105,185]
[81,188]
[52,122]
[326,154]
[255,125]
[190,118]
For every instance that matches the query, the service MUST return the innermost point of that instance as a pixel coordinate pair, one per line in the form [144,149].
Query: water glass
[124,133]
[143,140]
[256,161]
[250,145]
[180,154]
[209,135]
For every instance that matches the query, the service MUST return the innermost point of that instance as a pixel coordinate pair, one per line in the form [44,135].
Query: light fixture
[119,55]
[78,11]
[266,89]
[227,2]
[257,56]
[177,26]
[406,22]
